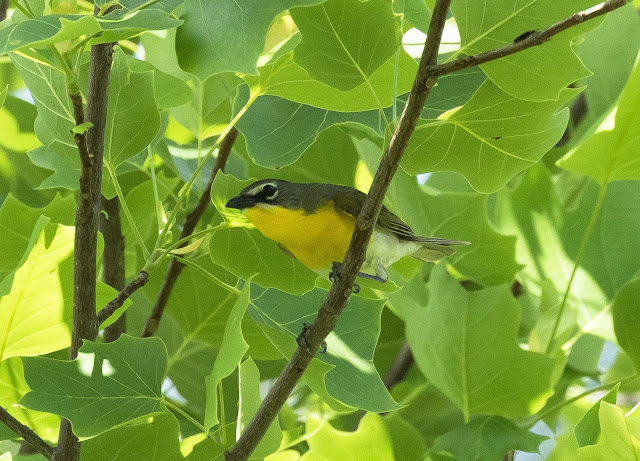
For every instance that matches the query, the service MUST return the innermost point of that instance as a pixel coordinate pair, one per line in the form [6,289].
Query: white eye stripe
[257,189]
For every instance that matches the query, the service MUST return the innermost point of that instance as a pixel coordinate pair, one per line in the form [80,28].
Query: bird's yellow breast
[317,239]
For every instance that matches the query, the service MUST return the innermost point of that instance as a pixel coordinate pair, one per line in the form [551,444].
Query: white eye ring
[270,191]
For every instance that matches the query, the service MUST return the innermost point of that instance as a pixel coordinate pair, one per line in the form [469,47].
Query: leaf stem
[583,245]
[222,430]
[207,274]
[190,418]
[126,210]
[154,183]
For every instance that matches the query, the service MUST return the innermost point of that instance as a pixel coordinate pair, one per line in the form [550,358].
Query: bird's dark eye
[269,191]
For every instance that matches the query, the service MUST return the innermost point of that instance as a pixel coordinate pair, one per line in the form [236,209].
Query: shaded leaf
[618,437]
[119,381]
[625,320]
[587,431]
[465,343]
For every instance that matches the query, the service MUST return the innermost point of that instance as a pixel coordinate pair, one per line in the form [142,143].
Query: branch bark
[400,367]
[528,40]
[117,302]
[90,147]
[27,434]
[341,289]
[113,261]
[191,221]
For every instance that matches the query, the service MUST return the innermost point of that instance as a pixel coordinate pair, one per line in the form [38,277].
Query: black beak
[241,202]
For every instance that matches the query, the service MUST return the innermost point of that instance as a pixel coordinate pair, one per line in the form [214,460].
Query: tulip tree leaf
[475,141]
[207,42]
[108,384]
[625,320]
[133,119]
[339,48]
[538,73]
[611,152]
[465,343]
[587,430]
[619,436]
[231,351]
[349,350]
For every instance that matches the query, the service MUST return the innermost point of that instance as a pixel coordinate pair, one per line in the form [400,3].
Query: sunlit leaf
[619,436]
[587,431]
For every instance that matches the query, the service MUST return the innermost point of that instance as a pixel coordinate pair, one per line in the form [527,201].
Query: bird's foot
[303,343]
[334,274]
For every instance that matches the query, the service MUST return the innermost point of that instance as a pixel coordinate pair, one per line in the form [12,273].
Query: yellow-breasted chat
[313,222]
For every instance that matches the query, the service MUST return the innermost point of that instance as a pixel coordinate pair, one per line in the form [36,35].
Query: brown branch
[118,301]
[113,263]
[526,40]
[313,336]
[400,367]
[27,434]
[91,148]
[191,221]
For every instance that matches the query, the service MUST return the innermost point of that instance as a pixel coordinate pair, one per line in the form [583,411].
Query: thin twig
[530,40]
[400,367]
[190,223]
[27,434]
[344,279]
[117,302]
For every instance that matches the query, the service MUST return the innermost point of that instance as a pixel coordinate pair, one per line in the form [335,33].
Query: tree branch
[117,302]
[113,263]
[400,367]
[190,223]
[341,289]
[526,40]
[27,434]
[91,148]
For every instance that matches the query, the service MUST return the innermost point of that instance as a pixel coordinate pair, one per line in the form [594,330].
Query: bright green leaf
[207,42]
[611,152]
[119,381]
[82,128]
[587,431]
[155,440]
[465,344]
[489,139]
[370,442]
[538,73]
[249,402]
[617,438]
[625,320]
[231,351]
[339,46]
[3,95]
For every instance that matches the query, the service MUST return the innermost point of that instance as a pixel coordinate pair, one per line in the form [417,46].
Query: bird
[314,222]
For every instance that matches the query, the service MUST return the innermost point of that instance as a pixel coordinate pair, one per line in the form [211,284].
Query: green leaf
[489,139]
[16,233]
[465,343]
[587,431]
[3,95]
[169,91]
[625,320]
[289,80]
[231,351]
[538,73]
[245,252]
[486,437]
[339,47]
[415,12]
[207,42]
[350,350]
[369,442]
[120,381]
[155,440]
[12,388]
[610,153]
[249,402]
[618,437]
[82,128]
[133,119]
[278,131]
[407,442]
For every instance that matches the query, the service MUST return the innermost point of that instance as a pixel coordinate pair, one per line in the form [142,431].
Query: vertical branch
[91,148]
[175,267]
[325,322]
[400,367]
[113,259]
